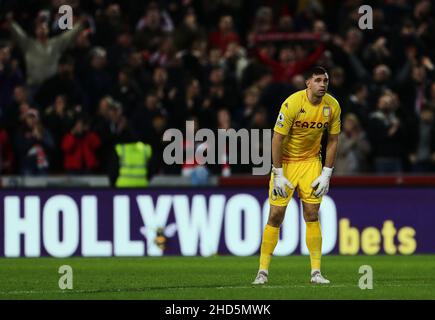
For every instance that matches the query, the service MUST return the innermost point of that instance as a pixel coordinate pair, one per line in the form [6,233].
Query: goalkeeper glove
[280,182]
[322,182]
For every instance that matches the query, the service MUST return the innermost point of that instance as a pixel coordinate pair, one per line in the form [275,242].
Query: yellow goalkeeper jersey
[304,123]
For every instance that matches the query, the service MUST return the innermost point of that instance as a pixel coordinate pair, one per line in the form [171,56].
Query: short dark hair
[316,70]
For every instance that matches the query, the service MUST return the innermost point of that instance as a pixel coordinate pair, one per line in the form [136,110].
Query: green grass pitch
[218,277]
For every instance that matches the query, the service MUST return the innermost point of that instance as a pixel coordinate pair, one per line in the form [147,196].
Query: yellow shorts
[301,174]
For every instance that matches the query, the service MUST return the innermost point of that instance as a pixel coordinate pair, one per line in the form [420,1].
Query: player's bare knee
[276,216]
[311,212]
[311,217]
[274,221]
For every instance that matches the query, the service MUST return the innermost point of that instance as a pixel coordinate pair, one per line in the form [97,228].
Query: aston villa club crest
[326,111]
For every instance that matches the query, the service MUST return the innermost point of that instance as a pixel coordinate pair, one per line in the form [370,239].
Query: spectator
[161,86]
[287,66]
[43,53]
[10,77]
[215,58]
[112,127]
[381,81]
[11,114]
[166,62]
[80,147]
[126,91]
[431,99]
[358,105]
[259,119]
[235,60]
[155,16]
[6,153]
[118,53]
[423,156]
[220,90]
[286,23]
[352,156]
[108,25]
[413,90]
[33,145]
[225,34]
[151,28]
[138,69]
[62,83]
[298,82]
[250,104]
[386,136]
[347,52]
[80,53]
[263,21]
[159,125]
[319,27]
[163,56]
[378,52]
[97,81]
[423,16]
[191,168]
[337,83]
[141,121]
[58,118]
[106,130]
[188,103]
[224,122]
[188,32]
[194,59]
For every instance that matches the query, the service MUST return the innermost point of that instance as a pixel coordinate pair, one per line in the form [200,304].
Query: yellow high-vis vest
[133,159]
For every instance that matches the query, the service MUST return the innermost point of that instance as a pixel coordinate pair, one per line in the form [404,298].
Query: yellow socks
[268,244]
[314,243]
[313,238]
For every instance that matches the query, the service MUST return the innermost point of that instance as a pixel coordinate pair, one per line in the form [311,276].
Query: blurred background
[129,70]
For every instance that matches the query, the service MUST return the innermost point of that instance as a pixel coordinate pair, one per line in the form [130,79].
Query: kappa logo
[302,110]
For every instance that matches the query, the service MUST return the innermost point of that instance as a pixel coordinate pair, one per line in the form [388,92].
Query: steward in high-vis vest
[133,160]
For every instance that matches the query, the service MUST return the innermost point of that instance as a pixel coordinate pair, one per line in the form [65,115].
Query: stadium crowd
[128,70]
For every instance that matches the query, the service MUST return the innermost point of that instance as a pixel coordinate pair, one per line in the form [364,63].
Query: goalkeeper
[303,118]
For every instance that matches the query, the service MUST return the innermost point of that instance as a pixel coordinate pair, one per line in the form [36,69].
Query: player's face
[318,84]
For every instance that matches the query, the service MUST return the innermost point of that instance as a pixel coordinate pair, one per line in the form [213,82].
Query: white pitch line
[169,288]
[74,291]
[284,287]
